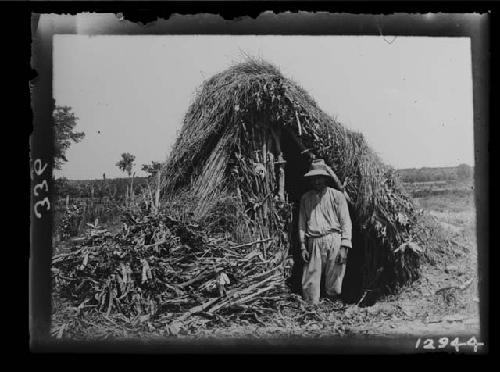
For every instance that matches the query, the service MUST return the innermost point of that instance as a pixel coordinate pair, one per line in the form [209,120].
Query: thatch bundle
[242,127]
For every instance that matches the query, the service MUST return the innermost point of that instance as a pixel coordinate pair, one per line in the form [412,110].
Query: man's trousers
[323,252]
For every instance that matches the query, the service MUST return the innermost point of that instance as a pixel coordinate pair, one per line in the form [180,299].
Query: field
[443,302]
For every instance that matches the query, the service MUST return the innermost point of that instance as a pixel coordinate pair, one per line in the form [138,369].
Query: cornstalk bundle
[158,265]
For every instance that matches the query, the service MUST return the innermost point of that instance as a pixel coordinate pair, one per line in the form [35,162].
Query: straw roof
[224,102]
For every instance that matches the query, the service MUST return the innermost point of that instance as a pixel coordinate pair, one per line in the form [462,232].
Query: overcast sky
[411,97]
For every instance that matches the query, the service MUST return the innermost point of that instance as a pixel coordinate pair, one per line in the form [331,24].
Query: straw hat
[318,168]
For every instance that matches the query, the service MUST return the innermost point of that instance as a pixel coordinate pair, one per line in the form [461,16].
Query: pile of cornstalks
[157,266]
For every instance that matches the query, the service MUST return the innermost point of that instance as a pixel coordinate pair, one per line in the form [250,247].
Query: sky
[411,97]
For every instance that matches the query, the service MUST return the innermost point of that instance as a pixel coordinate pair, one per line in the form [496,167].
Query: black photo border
[239,18]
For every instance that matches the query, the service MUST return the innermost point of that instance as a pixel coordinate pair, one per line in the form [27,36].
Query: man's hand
[342,256]
[304,252]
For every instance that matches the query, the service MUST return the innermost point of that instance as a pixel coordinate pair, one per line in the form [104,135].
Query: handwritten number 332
[37,167]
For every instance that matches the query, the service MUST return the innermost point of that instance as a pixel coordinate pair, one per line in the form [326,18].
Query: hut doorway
[297,164]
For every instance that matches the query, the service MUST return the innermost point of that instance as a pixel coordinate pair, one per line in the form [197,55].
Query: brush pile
[157,265]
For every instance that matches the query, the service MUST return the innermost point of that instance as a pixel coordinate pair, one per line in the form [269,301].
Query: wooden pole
[281,163]
[264,150]
[281,179]
[299,126]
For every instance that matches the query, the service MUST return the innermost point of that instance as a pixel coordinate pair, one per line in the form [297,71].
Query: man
[325,234]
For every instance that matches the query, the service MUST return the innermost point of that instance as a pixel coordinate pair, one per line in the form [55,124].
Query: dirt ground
[443,303]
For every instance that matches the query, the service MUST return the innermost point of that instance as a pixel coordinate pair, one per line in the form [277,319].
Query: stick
[200,276]
[183,300]
[236,293]
[110,304]
[298,124]
[250,244]
[61,330]
[249,297]
[155,244]
[263,274]
[60,256]
[197,309]
[227,249]
[363,297]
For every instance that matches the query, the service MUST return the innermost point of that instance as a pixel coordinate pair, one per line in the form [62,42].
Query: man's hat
[318,168]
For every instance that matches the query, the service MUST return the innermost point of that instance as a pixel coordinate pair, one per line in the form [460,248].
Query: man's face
[318,183]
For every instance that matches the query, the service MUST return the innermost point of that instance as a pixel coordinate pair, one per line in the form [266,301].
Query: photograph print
[244,188]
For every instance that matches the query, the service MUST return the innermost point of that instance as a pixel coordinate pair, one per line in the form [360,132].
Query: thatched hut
[238,164]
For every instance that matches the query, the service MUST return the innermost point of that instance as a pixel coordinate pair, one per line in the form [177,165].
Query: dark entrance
[295,185]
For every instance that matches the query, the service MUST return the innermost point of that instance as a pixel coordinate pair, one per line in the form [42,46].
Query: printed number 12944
[444,342]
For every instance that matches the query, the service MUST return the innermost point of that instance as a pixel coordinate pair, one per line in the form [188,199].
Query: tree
[61,186]
[152,168]
[126,163]
[464,172]
[65,122]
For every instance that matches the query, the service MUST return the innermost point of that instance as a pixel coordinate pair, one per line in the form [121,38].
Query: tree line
[462,172]
[114,189]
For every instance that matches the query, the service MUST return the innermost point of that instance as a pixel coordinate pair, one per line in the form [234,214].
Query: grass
[456,214]
[448,203]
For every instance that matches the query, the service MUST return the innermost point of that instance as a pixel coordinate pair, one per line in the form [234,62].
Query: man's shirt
[323,213]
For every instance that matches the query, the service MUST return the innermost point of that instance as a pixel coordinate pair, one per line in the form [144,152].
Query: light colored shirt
[323,213]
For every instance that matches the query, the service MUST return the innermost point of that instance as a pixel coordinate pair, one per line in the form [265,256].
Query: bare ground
[443,302]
